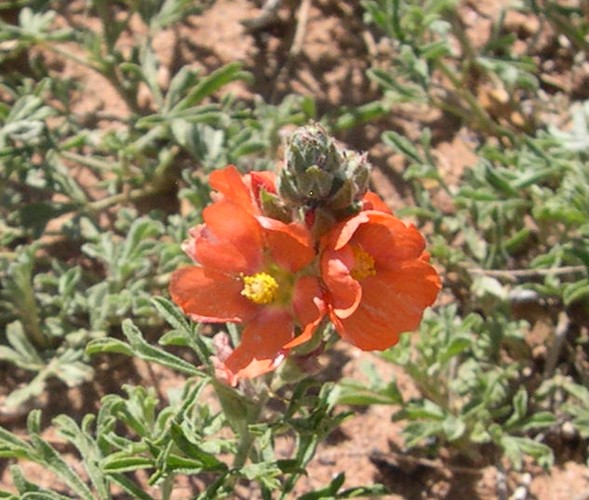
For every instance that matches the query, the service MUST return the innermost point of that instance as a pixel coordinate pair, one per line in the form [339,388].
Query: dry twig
[518,274]
[560,333]
[296,46]
[268,16]
[432,464]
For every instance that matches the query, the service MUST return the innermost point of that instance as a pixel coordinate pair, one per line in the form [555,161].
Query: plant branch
[486,122]
[514,275]
[297,44]
[560,333]
[132,195]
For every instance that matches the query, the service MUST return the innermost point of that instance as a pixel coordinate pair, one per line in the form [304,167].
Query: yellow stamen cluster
[260,288]
[363,264]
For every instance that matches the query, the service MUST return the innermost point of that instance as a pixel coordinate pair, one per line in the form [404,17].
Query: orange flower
[378,278]
[244,190]
[371,201]
[250,270]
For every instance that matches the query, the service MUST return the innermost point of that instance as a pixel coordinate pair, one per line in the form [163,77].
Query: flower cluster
[283,255]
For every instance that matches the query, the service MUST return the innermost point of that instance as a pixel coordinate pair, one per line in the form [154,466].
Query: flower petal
[388,240]
[263,180]
[289,244]
[345,292]
[230,240]
[371,201]
[229,182]
[262,345]
[308,307]
[393,302]
[341,234]
[209,295]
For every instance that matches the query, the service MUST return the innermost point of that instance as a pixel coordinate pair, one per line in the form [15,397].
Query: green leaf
[332,491]
[499,180]
[30,490]
[70,371]
[402,144]
[239,410]
[401,90]
[329,491]
[364,491]
[133,489]
[184,78]
[150,353]
[578,391]
[421,409]
[574,292]
[361,114]
[108,345]
[12,446]
[351,392]
[182,465]
[35,216]
[68,281]
[174,338]
[211,83]
[290,466]
[173,316]
[539,420]
[520,407]
[534,176]
[435,50]
[516,447]
[10,355]
[204,459]
[28,358]
[49,458]
[137,346]
[456,347]
[116,464]
[32,389]
[476,194]
[518,241]
[89,451]
[454,427]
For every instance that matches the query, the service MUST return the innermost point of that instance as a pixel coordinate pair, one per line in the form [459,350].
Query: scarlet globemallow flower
[244,190]
[250,270]
[378,278]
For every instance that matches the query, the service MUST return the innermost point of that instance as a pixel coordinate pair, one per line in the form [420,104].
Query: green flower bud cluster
[320,174]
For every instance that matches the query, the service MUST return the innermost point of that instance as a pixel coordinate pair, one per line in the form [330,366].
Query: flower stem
[242,411]
[246,438]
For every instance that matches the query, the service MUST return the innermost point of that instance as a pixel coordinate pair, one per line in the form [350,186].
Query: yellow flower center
[260,288]
[363,264]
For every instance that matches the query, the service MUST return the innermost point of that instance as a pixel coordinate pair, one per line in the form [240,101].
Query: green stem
[8,255]
[483,118]
[68,55]
[29,315]
[95,164]
[246,438]
[108,25]
[133,195]
[106,68]
[167,487]
[163,178]
[303,450]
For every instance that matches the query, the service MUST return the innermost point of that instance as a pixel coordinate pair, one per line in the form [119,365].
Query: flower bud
[274,207]
[321,174]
